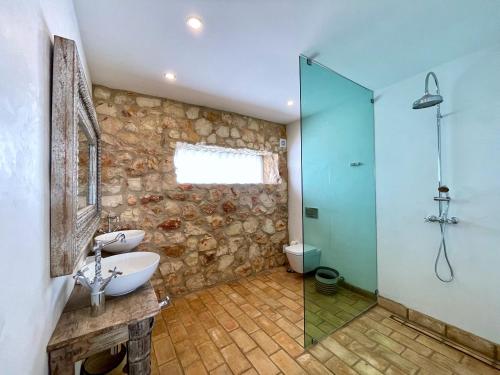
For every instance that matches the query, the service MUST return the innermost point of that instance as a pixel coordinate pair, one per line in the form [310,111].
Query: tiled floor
[324,313]
[255,326]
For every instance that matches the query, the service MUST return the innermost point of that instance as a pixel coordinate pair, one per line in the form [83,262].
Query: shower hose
[442,248]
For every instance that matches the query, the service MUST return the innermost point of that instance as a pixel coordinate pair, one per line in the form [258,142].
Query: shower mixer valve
[444,204]
[441,219]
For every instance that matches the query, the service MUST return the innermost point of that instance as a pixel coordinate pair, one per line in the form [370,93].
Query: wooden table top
[76,324]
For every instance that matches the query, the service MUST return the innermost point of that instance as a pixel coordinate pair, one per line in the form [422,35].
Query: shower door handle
[356,164]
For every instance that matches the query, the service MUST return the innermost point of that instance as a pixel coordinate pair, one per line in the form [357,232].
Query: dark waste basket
[326,280]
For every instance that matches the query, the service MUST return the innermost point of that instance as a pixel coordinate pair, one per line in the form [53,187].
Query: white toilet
[303,258]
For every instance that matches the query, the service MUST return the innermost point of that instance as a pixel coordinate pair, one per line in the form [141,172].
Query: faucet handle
[115,272]
[107,280]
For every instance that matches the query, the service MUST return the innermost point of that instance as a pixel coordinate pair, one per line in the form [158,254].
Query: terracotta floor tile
[195,368]
[270,312]
[227,322]
[206,319]
[210,355]
[197,334]
[340,351]
[339,367]
[411,343]
[289,328]
[241,338]
[251,372]
[479,367]
[236,298]
[159,328]
[425,363]
[170,368]
[250,310]
[453,366]
[385,340]
[266,343]
[247,323]
[364,368]
[163,350]
[320,352]
[219,336]
[289,344]
[222,370]
[394,371]
[342,338]
[400,328]
[397,361]
[168,314]
[186,352]
[177,331]
[374,325]
[235,359]
[291,315]
[232,309]
[286,363]
[261,362]
[188,317]
[267,325]
[255,325]
[368,355]
[440,348]
[312,366]
[359,337]
[289,303]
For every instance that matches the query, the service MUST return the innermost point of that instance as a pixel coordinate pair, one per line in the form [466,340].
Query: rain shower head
[429,100]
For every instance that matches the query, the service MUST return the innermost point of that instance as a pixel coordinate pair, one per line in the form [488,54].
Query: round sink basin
[137,268]
[132,239]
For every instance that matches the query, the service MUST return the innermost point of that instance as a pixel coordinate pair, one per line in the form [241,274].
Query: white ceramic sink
[132,239]
[137,268]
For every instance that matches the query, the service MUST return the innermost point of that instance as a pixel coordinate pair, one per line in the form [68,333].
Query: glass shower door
[338,187]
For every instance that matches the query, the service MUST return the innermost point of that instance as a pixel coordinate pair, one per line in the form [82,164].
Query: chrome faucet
[98,284]
[111,218]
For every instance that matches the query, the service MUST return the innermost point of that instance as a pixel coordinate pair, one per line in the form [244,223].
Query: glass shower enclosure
[338,199]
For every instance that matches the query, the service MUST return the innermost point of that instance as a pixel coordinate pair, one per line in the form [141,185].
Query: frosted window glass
[201,164]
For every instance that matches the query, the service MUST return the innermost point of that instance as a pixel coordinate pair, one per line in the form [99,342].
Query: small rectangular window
[203,164]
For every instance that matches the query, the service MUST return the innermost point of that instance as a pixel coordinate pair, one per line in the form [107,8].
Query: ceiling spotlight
[289,103]
[170,76]
[194,23]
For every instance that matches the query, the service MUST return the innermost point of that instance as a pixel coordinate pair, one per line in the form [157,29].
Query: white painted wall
[406,184]
[294,182]
[31,301]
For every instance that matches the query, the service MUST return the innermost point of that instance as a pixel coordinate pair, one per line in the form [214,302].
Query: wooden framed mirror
[75,162]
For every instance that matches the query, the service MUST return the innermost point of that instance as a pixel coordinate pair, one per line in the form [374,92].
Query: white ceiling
[245,59]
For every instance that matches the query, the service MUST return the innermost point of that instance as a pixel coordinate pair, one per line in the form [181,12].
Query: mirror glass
[86,168]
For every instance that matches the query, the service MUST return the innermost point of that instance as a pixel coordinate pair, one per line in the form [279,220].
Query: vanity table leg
[139,347]
[61,362]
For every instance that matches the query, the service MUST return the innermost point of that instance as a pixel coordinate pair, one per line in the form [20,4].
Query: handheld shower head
[429,100]
[443,189]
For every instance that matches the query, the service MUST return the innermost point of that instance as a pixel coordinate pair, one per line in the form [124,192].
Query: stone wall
[204,233]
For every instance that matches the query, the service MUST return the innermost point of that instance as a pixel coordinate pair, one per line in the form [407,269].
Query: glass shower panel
[338,184]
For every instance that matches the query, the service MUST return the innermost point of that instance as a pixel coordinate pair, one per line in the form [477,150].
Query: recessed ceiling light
[170,76]
[289,103]
[194,23]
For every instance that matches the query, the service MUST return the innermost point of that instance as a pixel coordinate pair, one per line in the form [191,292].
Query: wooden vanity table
[127,319]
